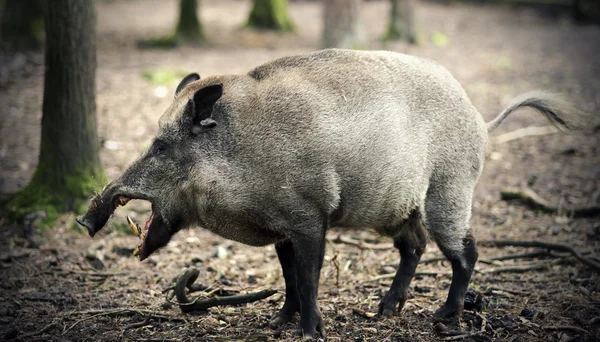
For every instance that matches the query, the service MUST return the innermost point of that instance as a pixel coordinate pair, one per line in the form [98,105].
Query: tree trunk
[341,24]
[69,168]
[402,22]
[22,23]
[270,15]
[188,26]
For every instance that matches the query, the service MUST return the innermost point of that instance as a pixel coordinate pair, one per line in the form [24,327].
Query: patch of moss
[162,77]
[270,15]
[54,201]
[169,42]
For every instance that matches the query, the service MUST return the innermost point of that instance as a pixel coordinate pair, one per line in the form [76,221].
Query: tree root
[534,201]
[187,279]
[547,245]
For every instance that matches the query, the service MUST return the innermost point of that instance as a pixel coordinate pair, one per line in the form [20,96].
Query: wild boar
[334,138]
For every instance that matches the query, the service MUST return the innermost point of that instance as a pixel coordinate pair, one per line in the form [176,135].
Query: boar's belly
[248,234]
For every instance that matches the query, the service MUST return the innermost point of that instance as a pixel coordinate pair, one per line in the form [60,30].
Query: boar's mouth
[153,235]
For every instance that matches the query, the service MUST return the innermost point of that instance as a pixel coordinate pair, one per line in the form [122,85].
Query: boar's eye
[158,147]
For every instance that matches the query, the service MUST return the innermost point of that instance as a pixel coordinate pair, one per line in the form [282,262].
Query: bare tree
[402,21]
[270,15]
[341,24]
[188,25]
[69,168]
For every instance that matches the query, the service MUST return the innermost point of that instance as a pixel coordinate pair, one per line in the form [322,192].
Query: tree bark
[402,22]
[22,23]
[188,26]
[270,15]
[341,24]
[69,168]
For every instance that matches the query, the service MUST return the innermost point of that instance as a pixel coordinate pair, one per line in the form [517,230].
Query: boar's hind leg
[285,252]
[309,250]
[447,214]
[411,244]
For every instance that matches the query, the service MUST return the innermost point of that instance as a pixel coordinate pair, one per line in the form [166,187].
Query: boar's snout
[87,224]
[100,209]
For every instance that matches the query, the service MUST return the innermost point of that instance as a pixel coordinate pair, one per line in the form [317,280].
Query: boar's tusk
[134,228]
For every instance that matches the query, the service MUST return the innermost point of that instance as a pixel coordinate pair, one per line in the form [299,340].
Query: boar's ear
[202,107]
[185,81]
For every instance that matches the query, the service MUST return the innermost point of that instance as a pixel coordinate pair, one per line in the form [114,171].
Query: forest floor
[73,288]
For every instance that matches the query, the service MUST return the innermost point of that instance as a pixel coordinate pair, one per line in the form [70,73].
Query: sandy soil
[496,53]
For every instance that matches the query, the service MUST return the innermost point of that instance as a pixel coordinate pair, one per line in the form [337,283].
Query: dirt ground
[57,292]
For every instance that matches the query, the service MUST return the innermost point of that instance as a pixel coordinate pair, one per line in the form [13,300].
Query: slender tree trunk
[69,168]
[341,24]
[22,23]
[402,22]
[270,15]
[188,26]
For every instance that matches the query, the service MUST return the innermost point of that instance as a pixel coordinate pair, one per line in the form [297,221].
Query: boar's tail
[558,111]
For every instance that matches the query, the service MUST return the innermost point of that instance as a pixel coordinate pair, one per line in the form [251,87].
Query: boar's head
[160,174]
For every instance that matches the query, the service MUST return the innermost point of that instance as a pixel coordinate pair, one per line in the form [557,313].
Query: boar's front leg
[309,250]
[287,258]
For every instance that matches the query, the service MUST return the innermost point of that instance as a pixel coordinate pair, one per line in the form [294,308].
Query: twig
[360,244]
[187,279]
[41,331]
[463,336]
[362,313]
[513,292]
[565,327]
[525,132]
[336,264]
[547,245]
[139,324]
[533,200]
[418,273]
[117,312]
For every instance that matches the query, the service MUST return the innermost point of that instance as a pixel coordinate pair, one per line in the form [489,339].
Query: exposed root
[534,201]
[186,280]
[547,245]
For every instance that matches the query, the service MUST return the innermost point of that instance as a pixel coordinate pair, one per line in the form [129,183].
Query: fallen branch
[547,245]
[525,132]
[188,278]
[360,244]
[534,201]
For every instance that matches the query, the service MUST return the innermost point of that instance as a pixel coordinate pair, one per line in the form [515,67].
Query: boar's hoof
[446,311]
[313,337]
[279,320]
